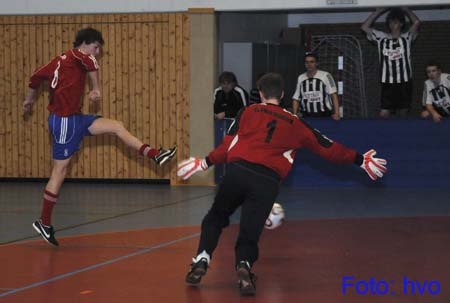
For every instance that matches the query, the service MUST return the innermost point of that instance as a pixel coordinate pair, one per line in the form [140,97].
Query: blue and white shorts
[68,132]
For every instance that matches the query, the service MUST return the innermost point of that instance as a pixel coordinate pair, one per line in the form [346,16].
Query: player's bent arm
[93,77]
[366,26]
[29,100]
[94,95]
[415,22]
[43,73]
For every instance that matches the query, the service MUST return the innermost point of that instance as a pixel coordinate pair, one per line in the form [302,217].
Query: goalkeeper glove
[374,167]
[191,166]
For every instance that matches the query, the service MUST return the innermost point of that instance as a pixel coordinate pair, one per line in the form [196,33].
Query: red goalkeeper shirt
[269,135]
[66,76]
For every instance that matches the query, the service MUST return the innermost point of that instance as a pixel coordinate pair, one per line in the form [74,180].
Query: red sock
[47,207]
[147,151]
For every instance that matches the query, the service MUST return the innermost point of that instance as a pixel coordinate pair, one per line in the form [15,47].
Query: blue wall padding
[417,151]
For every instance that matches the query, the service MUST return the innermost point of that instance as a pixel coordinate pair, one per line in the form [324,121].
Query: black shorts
[396,95]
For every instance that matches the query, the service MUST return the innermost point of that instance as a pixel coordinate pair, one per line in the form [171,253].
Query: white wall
[237,58]
[352,17]
[10,7]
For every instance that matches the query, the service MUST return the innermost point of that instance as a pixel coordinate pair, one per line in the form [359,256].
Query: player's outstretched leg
[104,126]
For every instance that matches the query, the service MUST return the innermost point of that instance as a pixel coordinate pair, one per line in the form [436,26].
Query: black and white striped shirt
[438,94]
[314,93]
[394,55]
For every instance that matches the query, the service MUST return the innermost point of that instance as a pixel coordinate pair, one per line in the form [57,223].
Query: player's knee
[118,127]
[60,169]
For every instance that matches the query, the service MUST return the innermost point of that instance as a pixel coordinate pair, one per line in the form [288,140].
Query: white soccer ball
[276,217]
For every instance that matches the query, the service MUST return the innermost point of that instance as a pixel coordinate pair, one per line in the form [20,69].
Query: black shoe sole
[168,157]
[250,289]
[43,237]
[198,273]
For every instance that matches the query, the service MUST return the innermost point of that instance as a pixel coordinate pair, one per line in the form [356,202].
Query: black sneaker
[247,279]
[46,232]
[198,270]
[164,155]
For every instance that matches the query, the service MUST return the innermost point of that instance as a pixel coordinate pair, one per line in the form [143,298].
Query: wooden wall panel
[3,106]
[9,104]
[33,119]
[147,41]
[144,75]
[39,109]
[15,67]
[185,89]
[138,45]
[151,112]
[172,85]
[103,152]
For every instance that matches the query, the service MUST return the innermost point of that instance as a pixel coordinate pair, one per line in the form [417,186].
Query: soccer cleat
[164,155]
[247,279]
[198,270]
[46,232]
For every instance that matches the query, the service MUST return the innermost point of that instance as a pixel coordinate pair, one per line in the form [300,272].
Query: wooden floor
[302,261]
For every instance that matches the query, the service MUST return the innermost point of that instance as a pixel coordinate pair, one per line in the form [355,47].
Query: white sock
[203,254]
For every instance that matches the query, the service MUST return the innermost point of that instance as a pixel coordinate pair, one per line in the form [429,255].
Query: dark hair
[88,35]
[227,77]
[396,14]
[271,85]
[312,55]
[434,63]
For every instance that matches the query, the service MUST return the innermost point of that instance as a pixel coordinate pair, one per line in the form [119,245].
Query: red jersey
[269,135]
[66,75]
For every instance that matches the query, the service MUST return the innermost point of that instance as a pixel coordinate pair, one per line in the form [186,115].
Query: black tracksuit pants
[255,188]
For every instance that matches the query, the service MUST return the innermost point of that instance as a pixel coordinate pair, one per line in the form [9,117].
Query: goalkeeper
[260,149]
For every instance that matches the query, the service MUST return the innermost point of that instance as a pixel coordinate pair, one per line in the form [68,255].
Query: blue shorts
[68,132]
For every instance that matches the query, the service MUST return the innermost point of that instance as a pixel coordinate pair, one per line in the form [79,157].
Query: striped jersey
[438,94]
[66,75]
[314,93]
[394,55]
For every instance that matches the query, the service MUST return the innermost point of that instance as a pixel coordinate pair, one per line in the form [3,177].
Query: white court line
[75,272]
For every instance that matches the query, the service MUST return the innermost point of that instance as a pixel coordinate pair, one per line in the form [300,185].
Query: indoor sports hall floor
[134,243]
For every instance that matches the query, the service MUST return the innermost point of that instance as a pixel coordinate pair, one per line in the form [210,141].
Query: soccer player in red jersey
[66,75]
[259,150]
